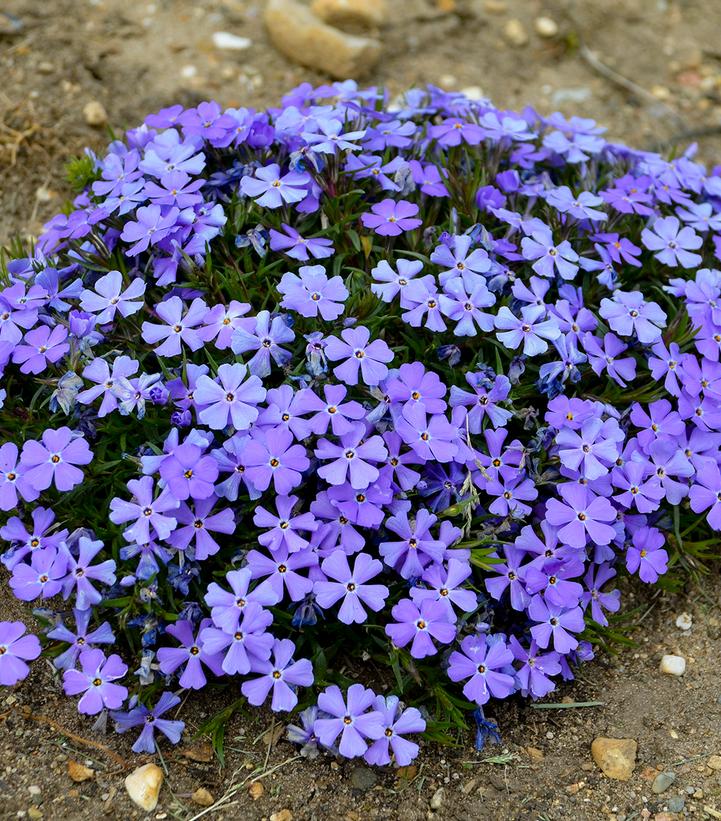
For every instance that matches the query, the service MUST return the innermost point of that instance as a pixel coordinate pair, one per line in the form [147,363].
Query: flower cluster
[405,383]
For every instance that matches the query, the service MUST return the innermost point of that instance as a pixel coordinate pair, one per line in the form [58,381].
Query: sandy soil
[650,70]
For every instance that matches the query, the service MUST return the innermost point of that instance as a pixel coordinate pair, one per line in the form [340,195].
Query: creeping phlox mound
[354,392]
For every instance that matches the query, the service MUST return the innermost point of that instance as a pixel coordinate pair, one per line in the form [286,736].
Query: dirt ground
[650,70]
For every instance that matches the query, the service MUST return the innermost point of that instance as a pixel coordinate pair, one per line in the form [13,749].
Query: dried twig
[27,714]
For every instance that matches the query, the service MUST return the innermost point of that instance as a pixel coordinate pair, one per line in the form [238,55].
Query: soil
[651,72]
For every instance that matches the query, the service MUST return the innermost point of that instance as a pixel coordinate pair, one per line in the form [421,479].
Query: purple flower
[233,398]
[13,479]
[191,654]
[432,438]
[246,645]
[331,140]
[581,516]
[271,456]
[227,605]
[269,188]
[145,512]
[485,400]
[457,260]
[95,680]
[81,574]
[177,327]
[81,639]
[15,649]
[264,336]
[279,574]
[418,626]
[483,664]
[150,227]
[330,411]
[646,554]
[592,450]
[628,313]
[198,524]
[397,722]
[352,458]
[109,297]
[188,473]
[387,283]
[581,207]
[41,346]
[351,586]
[54,459]
[280,674]
[603,356]
[595,579]
[533,674]
[673,245]
[150,720]
[527,330]
[310,293]
[298,247]
[42,578]
[705,493]
[285,528]
[549,256]
[360,354]
[106,381]
[511,577]
[555,625]
[389,218]
[221,321]
[355,720]
[417,548]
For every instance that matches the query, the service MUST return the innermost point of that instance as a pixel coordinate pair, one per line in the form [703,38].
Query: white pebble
[546,27]
[231,42]
[684,621]
[673,665]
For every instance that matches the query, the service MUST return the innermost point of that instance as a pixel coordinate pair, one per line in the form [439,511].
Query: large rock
[351,12]
[143,786]
[615,756]
[304,38]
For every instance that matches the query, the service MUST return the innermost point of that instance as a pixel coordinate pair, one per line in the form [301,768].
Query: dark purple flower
[150,720]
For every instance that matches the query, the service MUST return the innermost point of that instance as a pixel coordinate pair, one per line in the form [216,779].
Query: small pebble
[684,621]
[662,782]
[473,92]
[673,665]
[514,33]
[230,42]
[546,27]
[95,114]
[676,803]
[437,799]
[203,797]
[714,762]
